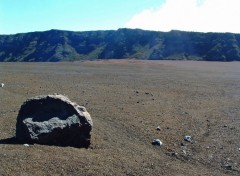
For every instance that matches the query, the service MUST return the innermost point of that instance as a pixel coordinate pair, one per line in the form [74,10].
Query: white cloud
[190,15]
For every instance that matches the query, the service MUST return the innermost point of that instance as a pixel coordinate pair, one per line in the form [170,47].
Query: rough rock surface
[53,120]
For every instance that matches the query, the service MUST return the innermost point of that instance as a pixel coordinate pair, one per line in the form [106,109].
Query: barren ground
[127,101]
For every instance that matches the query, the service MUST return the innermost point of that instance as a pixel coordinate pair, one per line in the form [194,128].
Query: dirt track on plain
[127,101]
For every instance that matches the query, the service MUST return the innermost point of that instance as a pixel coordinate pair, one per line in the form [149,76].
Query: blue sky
[17,16]
[78,15]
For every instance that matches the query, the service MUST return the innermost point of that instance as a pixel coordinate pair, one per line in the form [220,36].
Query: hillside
[56,45]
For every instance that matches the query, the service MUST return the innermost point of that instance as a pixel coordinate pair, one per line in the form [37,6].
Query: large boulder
[53,120]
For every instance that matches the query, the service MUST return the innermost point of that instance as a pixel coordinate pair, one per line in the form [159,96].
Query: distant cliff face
[56,45]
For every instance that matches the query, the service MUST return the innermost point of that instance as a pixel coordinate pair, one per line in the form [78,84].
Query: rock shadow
[14,140]
[11,140]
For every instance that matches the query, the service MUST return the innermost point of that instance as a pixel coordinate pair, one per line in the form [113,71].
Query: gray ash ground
[127,101]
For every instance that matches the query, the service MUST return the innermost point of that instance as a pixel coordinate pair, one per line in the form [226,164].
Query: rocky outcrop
[53,120]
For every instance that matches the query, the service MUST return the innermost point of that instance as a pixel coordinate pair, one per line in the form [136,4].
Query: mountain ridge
[59,45]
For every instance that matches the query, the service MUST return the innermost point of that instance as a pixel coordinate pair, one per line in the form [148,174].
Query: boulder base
[53,120]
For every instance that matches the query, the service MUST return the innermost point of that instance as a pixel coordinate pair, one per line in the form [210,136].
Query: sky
[18,16]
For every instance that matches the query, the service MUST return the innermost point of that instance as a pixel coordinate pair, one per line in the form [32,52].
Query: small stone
[157,142]
[174,154]
[187,138]
[184,151]
[26,145]
[2,85]
[158,128]
[228,167]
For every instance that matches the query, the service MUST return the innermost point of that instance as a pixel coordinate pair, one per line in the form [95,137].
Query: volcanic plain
[128,100]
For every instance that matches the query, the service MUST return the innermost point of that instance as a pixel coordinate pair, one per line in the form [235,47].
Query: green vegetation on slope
[56,45]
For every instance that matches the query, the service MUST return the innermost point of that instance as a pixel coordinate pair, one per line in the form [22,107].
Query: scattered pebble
[228,167]
[158,128]
[174,154]
[26,145]
[157,142]
[187,138]
[2,84]
[184,151]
